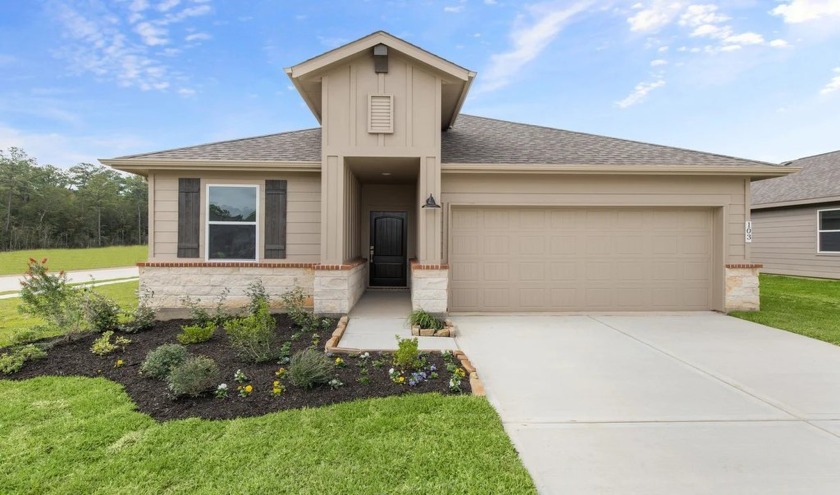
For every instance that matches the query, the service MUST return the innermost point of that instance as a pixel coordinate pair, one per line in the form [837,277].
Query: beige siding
[785,242]
[604,190]
[303,231]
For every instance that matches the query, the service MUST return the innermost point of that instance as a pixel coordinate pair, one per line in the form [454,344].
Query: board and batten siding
[303,220]
[785,242]
[726,195]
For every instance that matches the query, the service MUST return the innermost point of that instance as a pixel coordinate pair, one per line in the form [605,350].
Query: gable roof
[474,140]
[817,182]
[306,76]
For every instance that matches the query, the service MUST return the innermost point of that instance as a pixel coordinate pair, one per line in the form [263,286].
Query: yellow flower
[339,361]
[118,363]
[280,372]
[249,388]
[276,383]
[401,379]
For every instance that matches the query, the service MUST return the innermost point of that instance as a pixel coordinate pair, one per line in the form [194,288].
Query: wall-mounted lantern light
[430,202]
[380,59]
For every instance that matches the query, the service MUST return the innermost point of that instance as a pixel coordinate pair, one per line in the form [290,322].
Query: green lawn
[15,262]
[81,435]
[808,307]
[12,321]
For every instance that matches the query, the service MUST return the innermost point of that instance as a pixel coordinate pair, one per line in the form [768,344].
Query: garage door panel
[580,259]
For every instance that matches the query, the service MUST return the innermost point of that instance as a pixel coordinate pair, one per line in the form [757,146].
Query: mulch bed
[152,396]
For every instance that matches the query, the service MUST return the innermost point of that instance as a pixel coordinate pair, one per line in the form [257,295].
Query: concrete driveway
[671,404]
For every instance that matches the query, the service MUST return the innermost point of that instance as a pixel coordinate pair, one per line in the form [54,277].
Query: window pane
[830,220]
[233,204]
[830,241]
[235,242]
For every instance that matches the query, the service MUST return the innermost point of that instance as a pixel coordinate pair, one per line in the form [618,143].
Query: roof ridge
[623,140]
[812,156]
[224,141]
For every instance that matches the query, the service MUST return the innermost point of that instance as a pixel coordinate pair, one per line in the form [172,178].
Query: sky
[89,79]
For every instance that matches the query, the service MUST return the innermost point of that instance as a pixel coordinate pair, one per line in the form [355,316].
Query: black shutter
[189,217]
[275,219]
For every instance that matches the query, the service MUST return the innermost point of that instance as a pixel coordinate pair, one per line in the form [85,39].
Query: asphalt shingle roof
[818,179]
[472,140]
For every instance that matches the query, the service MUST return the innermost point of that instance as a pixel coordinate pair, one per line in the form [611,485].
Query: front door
[387,248]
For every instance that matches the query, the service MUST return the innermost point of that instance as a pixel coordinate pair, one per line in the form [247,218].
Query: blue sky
[87,79]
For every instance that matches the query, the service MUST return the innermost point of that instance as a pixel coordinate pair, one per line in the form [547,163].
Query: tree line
[86,205]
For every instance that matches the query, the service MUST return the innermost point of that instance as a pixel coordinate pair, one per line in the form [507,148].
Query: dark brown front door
[387,248]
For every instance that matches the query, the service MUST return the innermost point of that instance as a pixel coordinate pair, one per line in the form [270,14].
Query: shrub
[406,357]
[250,336]
[195,334]
[196,375]
[12,362]
[293,303]
[256,294]
[103,344]
[202,316]
[309,367]
[143,318]
[101,312]
[46,295]
[425,320]
[160,362]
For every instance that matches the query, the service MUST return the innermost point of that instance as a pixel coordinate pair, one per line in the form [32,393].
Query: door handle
[371,253]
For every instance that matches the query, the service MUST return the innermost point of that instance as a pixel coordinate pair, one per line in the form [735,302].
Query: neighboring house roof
[817,182]
[476,140]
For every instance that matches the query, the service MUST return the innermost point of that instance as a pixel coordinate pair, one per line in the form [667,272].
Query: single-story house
[796,219]
[397,188]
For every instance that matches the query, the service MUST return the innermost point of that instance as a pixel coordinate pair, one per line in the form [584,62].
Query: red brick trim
[415,265]
[745,265]
[232,264]
[343,266]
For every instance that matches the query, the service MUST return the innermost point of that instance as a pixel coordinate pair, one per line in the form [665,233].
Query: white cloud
[167,5]
[150,34]
[698,15]
[779,43]
[711,31]
[529,40]
[662,49]
[658,15]
[186,92]
[833,85]
[490,2]
[639,93]
[797,11]
[198,37]
[453,9]
[658,62]
[745,39]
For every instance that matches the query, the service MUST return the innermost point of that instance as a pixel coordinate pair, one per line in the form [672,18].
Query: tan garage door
[580,259]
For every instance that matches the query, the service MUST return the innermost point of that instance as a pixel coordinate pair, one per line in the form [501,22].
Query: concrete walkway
[379,317]
[695,403]
[9,283]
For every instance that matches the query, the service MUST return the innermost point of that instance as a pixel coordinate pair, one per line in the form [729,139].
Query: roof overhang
[798,202]
[144,166]
[306,76]
[758,171]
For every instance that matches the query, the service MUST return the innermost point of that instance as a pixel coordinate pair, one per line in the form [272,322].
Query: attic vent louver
[381,114]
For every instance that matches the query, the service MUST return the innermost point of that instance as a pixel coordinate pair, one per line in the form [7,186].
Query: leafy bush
[12,362]
[407,357]
[425,320]
[196,375]
[309,367]
[250,336]
[195,334]
[160,362]
[101,312]
[256,293]
[202,316]
[46,295]
[103,345]
[293,303]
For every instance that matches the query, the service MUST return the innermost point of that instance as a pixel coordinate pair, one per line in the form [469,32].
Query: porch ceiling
[380,170]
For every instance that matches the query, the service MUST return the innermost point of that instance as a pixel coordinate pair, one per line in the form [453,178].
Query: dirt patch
[152,396]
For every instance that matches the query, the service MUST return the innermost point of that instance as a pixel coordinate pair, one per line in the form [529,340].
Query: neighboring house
[397,189]
[796,219]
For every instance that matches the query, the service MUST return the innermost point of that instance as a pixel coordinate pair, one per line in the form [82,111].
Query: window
[232,222]
[828,231]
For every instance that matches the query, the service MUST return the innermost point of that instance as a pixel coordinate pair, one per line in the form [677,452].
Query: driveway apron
[673,403]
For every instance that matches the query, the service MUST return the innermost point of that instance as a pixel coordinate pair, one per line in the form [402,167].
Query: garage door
[580,259]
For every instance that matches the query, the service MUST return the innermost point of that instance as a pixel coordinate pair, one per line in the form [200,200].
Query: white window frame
[208,223]
[821,231]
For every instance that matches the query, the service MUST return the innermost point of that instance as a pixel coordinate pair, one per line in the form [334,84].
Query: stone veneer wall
[171,282]
[339,287]
[742,291]
[429,287]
